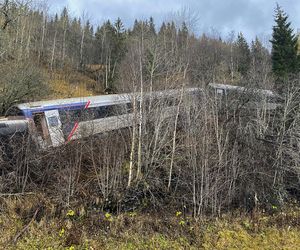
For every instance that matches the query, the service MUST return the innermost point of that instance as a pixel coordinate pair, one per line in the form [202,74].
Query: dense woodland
[208,159]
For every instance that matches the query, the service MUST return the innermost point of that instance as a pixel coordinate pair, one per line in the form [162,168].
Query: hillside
[106,57]
[211,168]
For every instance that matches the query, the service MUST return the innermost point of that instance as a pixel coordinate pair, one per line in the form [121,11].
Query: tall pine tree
[285,59]
[242,55]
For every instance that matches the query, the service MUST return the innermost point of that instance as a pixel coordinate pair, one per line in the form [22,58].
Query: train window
[98,112]
[123,109]
[111,110]
[129,107]
[220,91]
[85,115]
[68,121]
[75,115]
[63,116]
[53,121]
[69,117]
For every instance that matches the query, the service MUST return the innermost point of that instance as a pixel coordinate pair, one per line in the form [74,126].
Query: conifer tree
[260,69]
[259,56]
[285,60]
[183,35]
[257,52]
[152,27]
[119,48]
[243,55]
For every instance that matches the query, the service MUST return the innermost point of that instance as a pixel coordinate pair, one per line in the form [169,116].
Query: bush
[20,82]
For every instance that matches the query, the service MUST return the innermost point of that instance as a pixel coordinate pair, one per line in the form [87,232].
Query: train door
[54,127]
[40,130]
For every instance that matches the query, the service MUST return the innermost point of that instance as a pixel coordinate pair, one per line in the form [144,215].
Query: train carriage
[56,122]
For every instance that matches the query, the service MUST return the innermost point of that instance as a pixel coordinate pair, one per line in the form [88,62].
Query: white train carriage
[256,97]
[56,122]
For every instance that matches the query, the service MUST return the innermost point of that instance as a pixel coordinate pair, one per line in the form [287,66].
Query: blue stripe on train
[76,106]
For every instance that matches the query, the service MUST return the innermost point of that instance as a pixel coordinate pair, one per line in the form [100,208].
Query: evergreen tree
[64,33]
[119,48]
[137,27]
[88,44]
[162,29]
[119,26]
[260,69]
[110,47]
[74,40]
[152,27]
[259,54]
[64,14]
[183,35]
[243,55]
[285,60]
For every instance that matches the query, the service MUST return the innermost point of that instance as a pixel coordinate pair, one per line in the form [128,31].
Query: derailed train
[56,122]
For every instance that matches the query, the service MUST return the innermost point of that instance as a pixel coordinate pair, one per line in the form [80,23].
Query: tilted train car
[255,98]
[55,122]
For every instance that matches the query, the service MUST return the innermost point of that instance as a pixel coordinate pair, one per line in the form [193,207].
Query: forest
[213,176]
[65,53]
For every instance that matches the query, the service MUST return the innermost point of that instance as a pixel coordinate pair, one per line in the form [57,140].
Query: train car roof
[100,100]
[95,100]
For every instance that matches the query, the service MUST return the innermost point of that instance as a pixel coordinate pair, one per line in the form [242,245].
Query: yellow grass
[79,229]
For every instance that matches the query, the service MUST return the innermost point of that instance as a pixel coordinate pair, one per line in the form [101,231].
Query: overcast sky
[252,17]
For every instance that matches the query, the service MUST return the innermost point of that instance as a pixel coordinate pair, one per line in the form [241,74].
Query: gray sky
[252,17]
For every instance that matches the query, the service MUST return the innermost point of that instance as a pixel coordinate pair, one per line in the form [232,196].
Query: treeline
[106,52]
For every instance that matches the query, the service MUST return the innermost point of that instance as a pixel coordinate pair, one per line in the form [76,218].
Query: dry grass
[70,83]
[95,229]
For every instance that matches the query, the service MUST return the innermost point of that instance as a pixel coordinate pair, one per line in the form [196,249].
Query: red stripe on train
[73,131]
[77,124]
[87,104]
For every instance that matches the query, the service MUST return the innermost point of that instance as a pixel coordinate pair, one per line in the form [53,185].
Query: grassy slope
[82,229]
[69,83]
[98,230]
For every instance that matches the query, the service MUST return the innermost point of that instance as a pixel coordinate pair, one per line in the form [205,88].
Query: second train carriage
[255,98]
